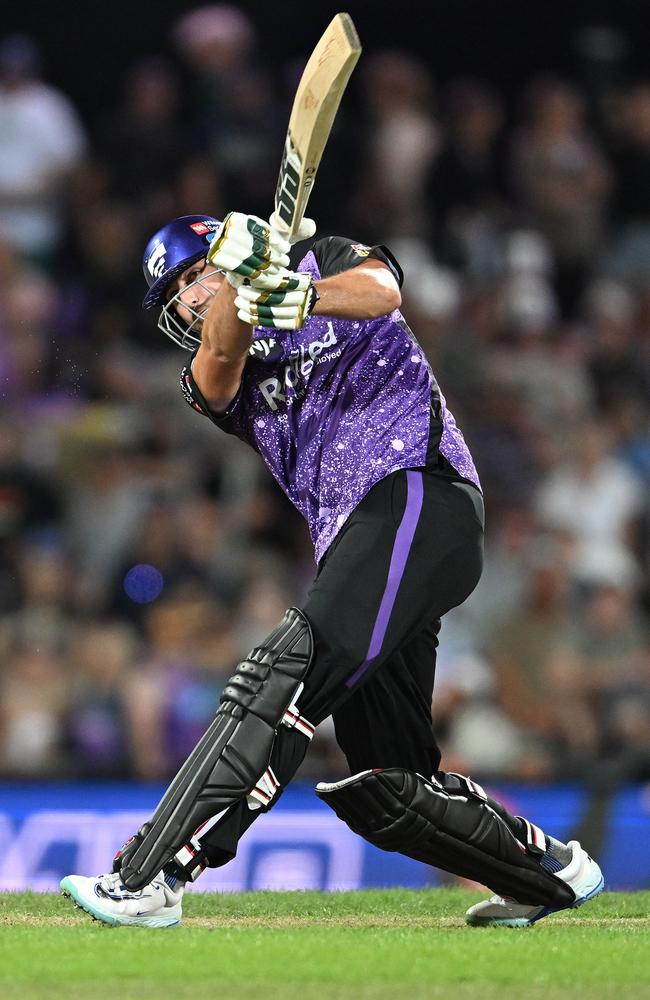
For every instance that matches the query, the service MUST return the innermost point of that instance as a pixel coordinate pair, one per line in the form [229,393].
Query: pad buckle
[264,791]
[190,860]
[535,838]
[292,718]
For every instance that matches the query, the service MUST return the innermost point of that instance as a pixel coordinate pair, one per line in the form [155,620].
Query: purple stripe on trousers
[401,549]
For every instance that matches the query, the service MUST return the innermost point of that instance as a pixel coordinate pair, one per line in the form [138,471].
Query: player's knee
[378,806]
[265,681]
[341,649]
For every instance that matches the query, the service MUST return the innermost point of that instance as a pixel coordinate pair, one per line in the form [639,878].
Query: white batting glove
[275,279]
[305,230]
[283,309]
[247,247]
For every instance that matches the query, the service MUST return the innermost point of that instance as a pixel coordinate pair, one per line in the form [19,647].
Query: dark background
[87,47]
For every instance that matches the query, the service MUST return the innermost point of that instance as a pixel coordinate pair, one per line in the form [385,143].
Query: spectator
[101,657]
[33,700]
[465,184]
[629,256]
[523,642]
[561,180]
[46,145]
[592,496]
[402,143]
[104,515]
[597,673]
[233,107]
[172,693]
[615,366]
[29,301]
[144,142]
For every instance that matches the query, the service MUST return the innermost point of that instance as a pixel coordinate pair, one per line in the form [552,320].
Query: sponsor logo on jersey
[360,249]
[265,348]
[156,263]
[292,383]
[186,389]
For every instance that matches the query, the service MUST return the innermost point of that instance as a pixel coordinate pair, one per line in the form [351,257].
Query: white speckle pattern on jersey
[340,406]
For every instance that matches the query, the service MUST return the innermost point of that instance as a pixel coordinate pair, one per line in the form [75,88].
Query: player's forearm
[224,336]
[363,293]
[225,342]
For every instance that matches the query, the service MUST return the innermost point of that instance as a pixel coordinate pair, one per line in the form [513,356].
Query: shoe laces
[112,883]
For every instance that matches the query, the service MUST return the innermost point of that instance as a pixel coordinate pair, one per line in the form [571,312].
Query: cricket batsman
[301,351]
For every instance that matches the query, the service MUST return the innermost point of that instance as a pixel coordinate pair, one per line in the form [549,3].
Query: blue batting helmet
[174,247]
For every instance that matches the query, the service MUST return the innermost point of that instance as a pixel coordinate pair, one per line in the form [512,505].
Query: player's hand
[246,247]
[286,308]
[305,230]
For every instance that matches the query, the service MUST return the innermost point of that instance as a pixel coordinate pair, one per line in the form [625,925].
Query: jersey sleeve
[335,254]
[194,397]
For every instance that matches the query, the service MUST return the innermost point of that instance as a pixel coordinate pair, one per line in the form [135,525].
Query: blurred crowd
[143,553]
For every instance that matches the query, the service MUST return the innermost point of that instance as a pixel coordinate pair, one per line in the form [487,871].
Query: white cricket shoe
[108,900]
[582,874]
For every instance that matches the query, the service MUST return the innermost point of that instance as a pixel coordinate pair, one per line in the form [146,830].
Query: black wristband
[314,297]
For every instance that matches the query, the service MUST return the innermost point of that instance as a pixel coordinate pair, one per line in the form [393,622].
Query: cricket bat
[314,108]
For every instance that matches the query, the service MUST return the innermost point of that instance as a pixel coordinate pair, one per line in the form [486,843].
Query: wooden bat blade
[317,99]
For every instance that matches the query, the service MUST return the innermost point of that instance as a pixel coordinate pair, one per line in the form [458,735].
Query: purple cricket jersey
[338,405]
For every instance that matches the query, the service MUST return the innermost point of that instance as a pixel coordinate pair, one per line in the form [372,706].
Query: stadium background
[504,156]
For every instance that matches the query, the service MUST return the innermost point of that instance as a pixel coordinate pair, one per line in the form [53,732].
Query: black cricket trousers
[410,551]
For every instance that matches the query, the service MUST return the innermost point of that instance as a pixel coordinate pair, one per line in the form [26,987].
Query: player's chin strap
[447,821]
[231,761]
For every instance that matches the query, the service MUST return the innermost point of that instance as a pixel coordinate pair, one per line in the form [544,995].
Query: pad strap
[535,838]
[264,791]
[188,863]
[292,718]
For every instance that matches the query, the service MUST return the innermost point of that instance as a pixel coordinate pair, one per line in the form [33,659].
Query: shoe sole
[68,889]
[529,921]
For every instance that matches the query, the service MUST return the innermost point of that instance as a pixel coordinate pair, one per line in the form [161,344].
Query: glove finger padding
[240,242]
[247,246]
[278,279]
[273,317]
[284,308]
[270,324]
[254,296]
[273,312]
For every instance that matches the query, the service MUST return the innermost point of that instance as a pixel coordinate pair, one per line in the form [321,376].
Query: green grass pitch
[376,945]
